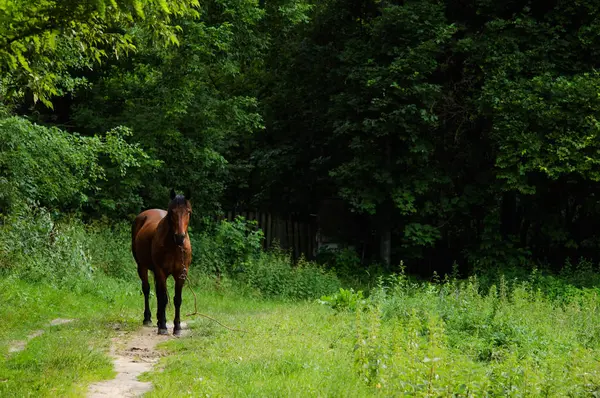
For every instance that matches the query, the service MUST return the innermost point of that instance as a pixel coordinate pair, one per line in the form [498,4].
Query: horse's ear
[173,194]
[188,194]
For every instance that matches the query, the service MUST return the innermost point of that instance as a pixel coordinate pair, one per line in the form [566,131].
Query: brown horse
[160,243]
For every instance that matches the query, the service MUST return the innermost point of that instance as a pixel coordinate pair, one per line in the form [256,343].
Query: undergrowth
[36,246]
[235,249]
[453,338]
[496,334]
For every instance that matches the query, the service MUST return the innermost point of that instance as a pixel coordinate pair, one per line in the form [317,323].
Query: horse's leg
[143,273]
[177,300]
[161,300]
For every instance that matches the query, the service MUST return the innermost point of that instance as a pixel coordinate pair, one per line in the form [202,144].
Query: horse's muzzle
[179,239]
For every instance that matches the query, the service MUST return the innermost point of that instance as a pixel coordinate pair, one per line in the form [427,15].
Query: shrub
[229,249]
[52,168]
[274,275]
[453,338]
[37,247]
[347,265]
[235,249]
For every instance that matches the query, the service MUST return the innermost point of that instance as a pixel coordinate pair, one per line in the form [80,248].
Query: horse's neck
[163,230]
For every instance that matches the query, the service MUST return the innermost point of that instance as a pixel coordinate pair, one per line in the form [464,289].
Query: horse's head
[179,213]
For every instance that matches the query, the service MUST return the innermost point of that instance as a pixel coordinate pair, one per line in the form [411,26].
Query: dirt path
[133,354]
[20,345]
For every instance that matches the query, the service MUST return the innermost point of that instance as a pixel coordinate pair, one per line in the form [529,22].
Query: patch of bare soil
[21,344]
[133,354]
[60,321]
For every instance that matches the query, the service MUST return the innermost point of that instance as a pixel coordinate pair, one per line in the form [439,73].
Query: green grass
[288,350]
[539,336]
[447,339]
[65,358]
[456,338]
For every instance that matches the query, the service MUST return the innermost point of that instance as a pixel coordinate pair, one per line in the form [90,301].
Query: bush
[274,275]
[230,247]
[52,168]
[36,247]
[66,253]
[109,247]
[235,249]
[347,265]
[452,338]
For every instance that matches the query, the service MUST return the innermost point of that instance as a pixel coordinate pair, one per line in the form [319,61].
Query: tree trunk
[385,233]
[508,209]
[385,246]
[385,215]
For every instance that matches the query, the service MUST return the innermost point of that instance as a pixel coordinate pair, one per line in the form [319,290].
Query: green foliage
[36,247]
[344,261]
[387,69]
[48,167]
[540,129]
[347,265]
[235,249]
[275,275]
[474,124]
[344,300]
[230,248]
[455,338]
[186,104]
[35,37]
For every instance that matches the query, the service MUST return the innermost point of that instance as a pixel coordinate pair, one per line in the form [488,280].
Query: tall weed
[37,247]
[455,338]
[273,274]
[235,249]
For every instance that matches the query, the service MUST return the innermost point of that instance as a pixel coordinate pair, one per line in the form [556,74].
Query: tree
[479,145]
[41,40]
[43,166]
[385,117]
[356,112]
[537,92]
[191,106]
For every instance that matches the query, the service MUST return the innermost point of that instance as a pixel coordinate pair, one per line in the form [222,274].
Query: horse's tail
[135,228]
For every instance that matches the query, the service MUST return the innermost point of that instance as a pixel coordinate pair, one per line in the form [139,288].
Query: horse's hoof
[163,331]
[148,323]
[177,332]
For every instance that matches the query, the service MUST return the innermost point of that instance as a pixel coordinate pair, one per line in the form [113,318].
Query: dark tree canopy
[460,131]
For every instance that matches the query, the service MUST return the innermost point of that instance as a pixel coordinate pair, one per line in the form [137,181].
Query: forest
[460,140]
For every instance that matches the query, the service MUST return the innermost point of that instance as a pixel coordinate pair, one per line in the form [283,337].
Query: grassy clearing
[535,336]
[446,339]
[64,359]
[290,349]
[287,344]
